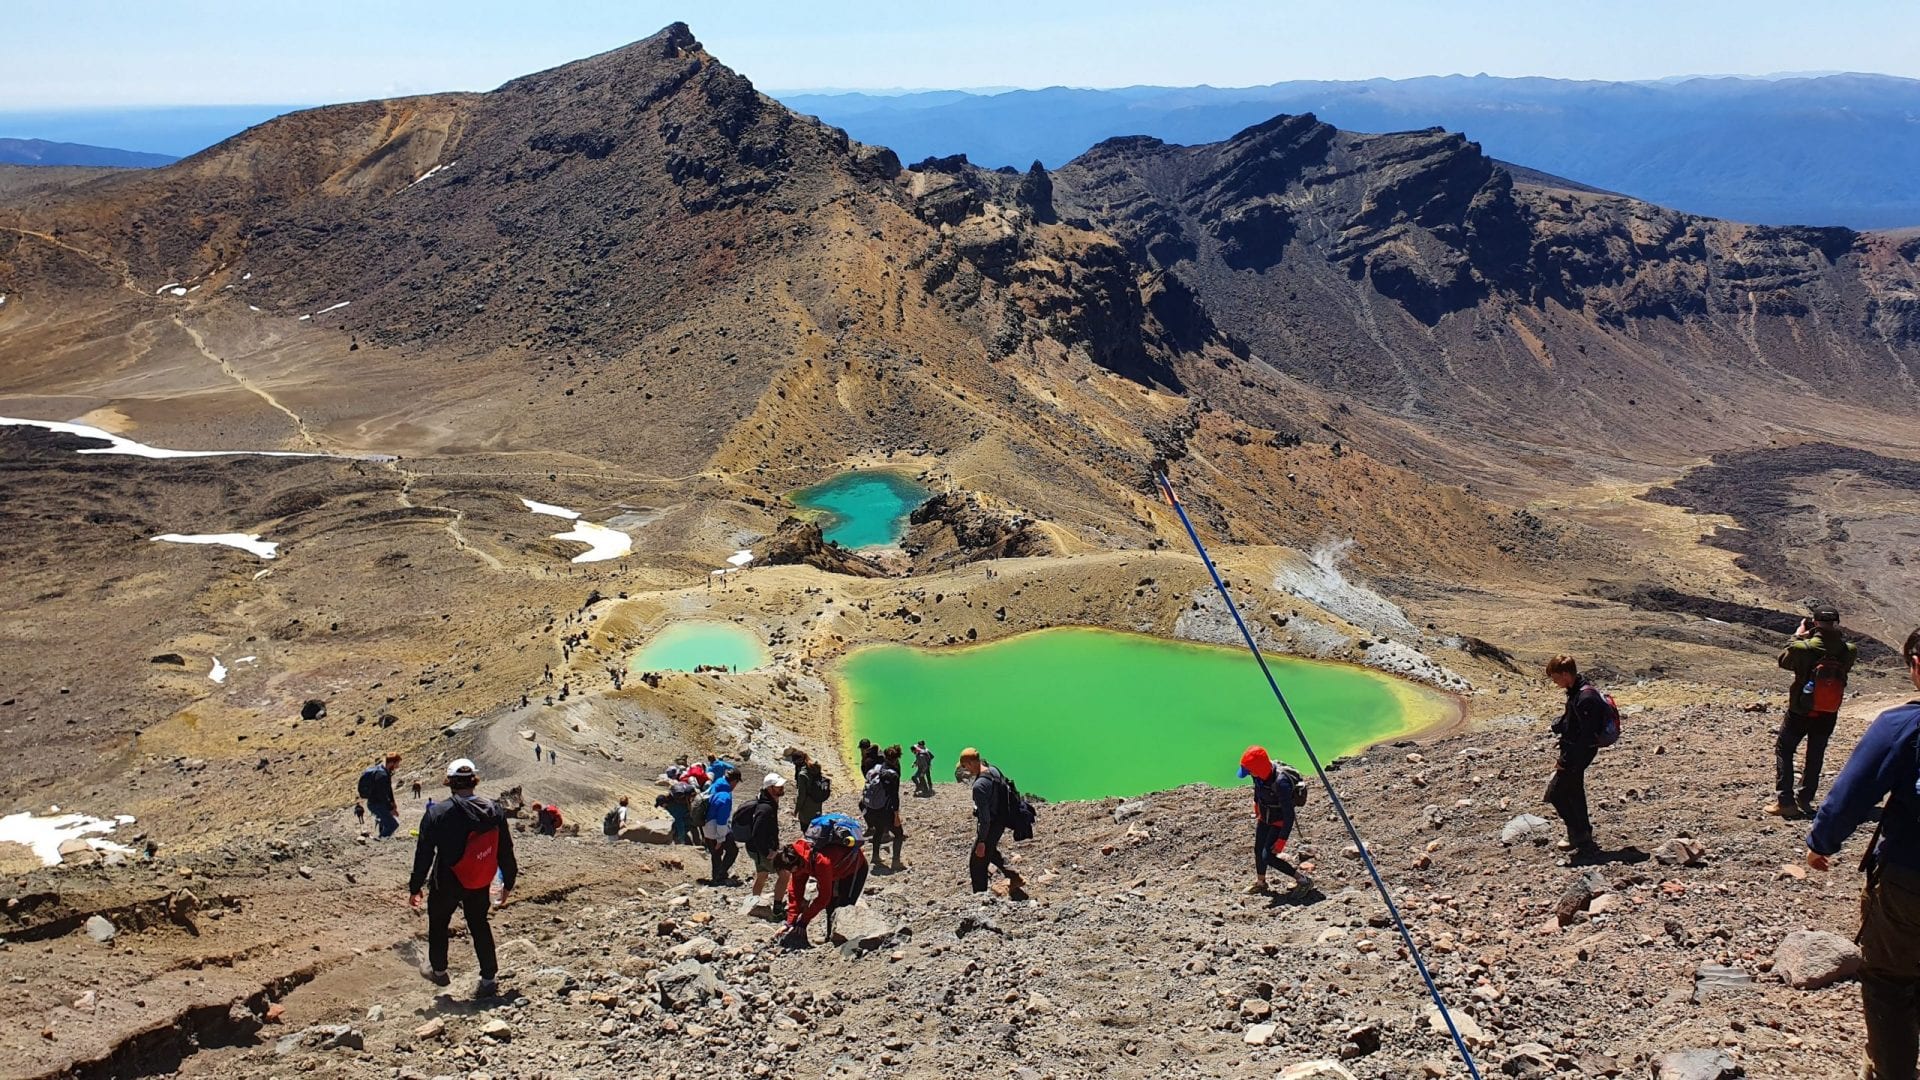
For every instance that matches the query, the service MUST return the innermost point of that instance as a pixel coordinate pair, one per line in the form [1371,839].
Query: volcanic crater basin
[1085,713]
[684,646]
[863,508]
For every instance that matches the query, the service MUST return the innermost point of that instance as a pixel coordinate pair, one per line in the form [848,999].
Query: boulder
[1811,959]
[100,930]
[1696,1065]
[687,984]
[1469,1028]
[1579,893]
[1260,1034]
[652,831]
[1680,851]
[1711,978]
[313,709]
[861,929]
[1526,827]
[1530,1061]
[172,658]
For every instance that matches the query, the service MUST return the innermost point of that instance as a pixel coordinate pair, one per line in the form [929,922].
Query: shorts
[715,831]
[763,864]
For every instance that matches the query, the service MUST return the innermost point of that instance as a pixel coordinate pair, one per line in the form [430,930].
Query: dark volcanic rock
[797,541]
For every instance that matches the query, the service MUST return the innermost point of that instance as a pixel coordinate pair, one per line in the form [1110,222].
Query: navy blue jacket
[1886,761]
[1273,798]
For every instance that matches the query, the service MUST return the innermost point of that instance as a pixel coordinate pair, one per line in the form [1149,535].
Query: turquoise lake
[683,646]
[863,509]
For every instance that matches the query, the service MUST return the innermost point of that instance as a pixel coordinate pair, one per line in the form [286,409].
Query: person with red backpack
[1820,657]
[1589,722]
[464,842]
[1277,796]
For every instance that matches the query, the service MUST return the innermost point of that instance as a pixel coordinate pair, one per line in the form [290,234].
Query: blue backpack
[834,830]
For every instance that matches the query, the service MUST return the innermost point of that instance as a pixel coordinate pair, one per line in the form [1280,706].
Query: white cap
[772,780]
[462,769]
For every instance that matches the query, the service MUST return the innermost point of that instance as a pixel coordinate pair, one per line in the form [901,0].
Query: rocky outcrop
[801,542]
[956,528]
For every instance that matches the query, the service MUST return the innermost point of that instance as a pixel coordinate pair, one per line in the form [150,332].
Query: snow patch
[177,292]
[602,543]
[164,288]
[246,660]
[243,541]
[43,836]
[304,318]
[123,445]
[219,672]
[1321,583]
[251,308]
[550,509]
[335,307]
[431,173]
[740,558]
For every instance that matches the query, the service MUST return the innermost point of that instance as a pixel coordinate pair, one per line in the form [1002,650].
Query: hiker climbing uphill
[812,789]
[756,827]
[1820,658]
[464,841]
[717,828]
[1589,722]
[922,769]
[880,805]
[376,790]
[1277,794]
[992,796]
[831,856]
[1884,765]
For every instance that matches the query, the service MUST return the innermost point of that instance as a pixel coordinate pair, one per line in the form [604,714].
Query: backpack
[1016,810]
[875,796]
[850,877]
[370,788]
[829,831]
[1829,681]
[697,804]
[480,860]
[611,823]
[746,821]
[1609,731]
[1299,782]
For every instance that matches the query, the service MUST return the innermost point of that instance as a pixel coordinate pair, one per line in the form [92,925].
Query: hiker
[615,822]
[1579,730]
[547,819]
[832,857]
[880,804]
[756,827]
[536,746]
[376,788]
[869,756]
[922,769]
[1275,806]
[812,790]
[678,803]
[1883,763]
[1820,657]
[717,827]
[990,824]
[553,756]
[464,842]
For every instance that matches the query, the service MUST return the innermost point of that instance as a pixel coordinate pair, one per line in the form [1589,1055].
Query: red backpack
[481,859]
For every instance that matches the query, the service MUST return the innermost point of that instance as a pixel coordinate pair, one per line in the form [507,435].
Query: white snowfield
[335,307]
[549,509]
[431,173]
[120,444]
[602,543]
[45,835]
[243,541]
[219,672]
[740,558]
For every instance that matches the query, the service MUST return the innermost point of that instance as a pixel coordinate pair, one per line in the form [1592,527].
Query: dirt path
[200,343]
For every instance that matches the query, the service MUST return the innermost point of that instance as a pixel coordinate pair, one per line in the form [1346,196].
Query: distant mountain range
[1819,150]
[42,152]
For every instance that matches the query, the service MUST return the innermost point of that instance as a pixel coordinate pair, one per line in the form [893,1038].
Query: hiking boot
[436,977]
[1258,888]
[1563,845]
[487,988]
[1782,808]
[1301,884]
[1808,808]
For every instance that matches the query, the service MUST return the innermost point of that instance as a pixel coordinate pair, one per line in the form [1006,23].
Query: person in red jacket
[827,867]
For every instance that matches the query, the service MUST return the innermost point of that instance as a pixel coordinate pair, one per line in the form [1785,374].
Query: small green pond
[683,646]
[1079,713]
[865,508]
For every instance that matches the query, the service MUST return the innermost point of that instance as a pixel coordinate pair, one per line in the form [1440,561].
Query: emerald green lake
[683,646]
[1077,713]
[863,509]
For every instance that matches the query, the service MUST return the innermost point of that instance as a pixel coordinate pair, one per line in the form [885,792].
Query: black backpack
[875,796]
[1016,810]
[370,786]
[611,823]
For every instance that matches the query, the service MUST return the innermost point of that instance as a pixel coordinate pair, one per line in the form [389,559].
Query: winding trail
[246,384]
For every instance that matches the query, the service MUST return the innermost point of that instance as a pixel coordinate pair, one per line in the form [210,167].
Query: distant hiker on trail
[678,803]
[376,788]
[869,756]
[1820,657]
[536,753]
[831,856]
[464,841]
[1884,764]
[1581,729]
[922,769]
[1276,801]
[990,797]
[553,756]
[812,790]
[756,827]
[880,804]
[718,828]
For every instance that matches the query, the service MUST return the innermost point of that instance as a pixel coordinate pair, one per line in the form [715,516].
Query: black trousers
[1567,791]
[1817,730]
[977,864]
[441,902]
[722,853]
[1890,971]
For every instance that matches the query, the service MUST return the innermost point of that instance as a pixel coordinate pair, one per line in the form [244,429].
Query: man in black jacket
[463,842]
[757,828]
[1579,730]
[989,815]
[376,789]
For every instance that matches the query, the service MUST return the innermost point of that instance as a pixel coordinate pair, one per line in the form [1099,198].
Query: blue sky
[65,53]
